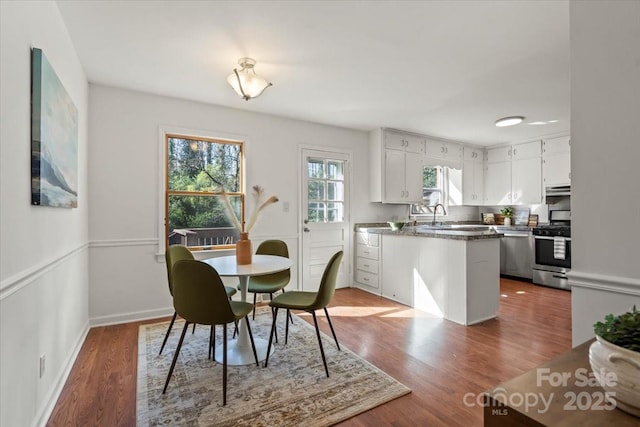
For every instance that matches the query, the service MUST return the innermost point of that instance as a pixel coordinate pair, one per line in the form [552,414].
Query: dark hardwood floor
[439,360]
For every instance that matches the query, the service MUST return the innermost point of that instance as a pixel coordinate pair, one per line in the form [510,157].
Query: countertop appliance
[552,250]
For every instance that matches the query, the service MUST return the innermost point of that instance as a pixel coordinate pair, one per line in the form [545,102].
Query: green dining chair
[269,283]
[309,302]
[199,296]
[173,254]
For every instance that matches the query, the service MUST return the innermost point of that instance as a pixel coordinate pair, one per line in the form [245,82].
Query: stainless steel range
[552,250]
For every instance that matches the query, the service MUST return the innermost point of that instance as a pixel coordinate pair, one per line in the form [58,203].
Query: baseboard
[135,316]
[617,284]
[42,417]
[366,289]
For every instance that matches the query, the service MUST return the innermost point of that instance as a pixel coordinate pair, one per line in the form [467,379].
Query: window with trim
[434,189]
[198,170]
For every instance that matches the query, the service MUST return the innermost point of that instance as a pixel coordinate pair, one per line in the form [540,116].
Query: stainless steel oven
[551,264]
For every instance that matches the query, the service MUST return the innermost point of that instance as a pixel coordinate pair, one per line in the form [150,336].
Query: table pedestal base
[242,355]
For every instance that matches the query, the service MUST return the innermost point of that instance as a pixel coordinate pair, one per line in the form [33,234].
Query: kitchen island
[450,272]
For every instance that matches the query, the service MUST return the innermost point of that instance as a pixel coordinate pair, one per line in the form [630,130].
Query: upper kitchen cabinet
[556,161]
[526,174]
[497,176]
[443,153]
[513,175]
[396,166]
[473,176]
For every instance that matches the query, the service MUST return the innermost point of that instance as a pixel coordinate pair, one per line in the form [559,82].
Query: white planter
[625,364]
[507,221]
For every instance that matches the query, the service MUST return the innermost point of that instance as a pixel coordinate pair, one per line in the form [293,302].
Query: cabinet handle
[514,151]
[366,265]
[366,279]
[446,149]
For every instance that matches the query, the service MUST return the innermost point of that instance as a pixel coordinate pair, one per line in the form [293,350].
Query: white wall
[127,280]
[605,153]
[43,251]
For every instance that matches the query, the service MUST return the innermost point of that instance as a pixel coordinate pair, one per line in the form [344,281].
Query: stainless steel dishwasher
[516,252]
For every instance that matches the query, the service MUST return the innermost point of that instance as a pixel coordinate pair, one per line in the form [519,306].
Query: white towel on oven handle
[559,247]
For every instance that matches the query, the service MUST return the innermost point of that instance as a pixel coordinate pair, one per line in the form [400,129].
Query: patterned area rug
[293,390]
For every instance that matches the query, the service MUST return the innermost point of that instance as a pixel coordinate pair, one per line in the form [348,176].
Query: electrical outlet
[42,360]
[285,206]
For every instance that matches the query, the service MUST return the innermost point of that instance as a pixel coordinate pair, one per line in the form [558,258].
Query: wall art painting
[54,138]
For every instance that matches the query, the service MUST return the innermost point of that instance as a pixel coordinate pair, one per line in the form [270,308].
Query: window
[197,169]
[326,190]
[433,189]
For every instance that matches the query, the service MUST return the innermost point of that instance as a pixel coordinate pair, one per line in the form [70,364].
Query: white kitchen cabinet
[396,166]
[513,175]
[400,255]
[556,161]
[473,177]
[526,174]
[497,179]
[443,153]
[367,273]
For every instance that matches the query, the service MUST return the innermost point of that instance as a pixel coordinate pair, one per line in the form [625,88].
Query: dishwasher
[516,252]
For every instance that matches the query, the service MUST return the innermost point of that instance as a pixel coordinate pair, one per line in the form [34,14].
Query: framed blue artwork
[54,138]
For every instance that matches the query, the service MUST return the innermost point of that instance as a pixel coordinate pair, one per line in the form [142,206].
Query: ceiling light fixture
[245,81]
[509,121]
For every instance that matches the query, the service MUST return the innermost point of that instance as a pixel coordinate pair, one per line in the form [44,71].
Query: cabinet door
[394,141]
[556,145]
[414,144]
[399,263]
[468,183]
[434,148]
[478,183]
[413,178]
[556,169]
[394,187]
[473,154]
[497,183]
[499,154]
[526,185]
[526,150]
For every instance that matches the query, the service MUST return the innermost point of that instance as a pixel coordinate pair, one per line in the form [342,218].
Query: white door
[325,215]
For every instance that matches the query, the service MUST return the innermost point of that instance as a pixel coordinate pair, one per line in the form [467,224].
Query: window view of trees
[326,190]
[198,171]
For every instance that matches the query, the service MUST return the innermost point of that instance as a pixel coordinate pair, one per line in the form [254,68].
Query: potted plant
[615,359]
[507,213]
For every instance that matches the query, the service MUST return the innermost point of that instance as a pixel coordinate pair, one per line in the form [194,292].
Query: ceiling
[442,68]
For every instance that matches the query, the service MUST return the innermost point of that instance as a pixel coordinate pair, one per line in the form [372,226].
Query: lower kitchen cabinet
[367,271]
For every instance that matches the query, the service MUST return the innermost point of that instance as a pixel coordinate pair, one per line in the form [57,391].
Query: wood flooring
[440,361]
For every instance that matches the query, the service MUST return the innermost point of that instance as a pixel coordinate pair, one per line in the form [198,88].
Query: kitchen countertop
[445,231]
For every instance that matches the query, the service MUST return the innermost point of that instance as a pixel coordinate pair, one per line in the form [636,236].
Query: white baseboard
[617,284]
[42,416]
[131,317]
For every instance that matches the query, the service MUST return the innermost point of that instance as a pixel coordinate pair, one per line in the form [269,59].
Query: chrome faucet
[435,209]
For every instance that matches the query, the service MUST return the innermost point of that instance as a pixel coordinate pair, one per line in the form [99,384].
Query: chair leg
[255,294]
[212,338]
[289,316]
[324,360]
[331,326]
[286,328]
[253,344]
[235,329]
[173,319]
[273,326]
[224,365]
[175,356]
[194,329]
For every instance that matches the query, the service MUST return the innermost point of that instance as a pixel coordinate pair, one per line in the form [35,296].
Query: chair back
[199,295]
[172,255]
[278,248]
[328,282]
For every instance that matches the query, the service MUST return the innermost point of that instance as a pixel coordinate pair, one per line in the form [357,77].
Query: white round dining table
[239,350]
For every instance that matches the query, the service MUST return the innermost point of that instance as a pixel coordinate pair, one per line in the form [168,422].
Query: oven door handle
[559,277]
[568,239]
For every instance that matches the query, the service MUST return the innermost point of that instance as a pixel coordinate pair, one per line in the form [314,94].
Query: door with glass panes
[325,215]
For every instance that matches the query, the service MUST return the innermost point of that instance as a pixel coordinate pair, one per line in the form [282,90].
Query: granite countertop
[452,231]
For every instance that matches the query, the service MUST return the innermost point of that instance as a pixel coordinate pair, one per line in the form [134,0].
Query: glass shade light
[245,81]
[509,121]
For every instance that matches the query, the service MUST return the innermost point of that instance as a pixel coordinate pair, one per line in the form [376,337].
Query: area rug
[293,390]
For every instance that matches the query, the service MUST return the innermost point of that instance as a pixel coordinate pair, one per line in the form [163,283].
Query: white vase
[507,221]
[607,358]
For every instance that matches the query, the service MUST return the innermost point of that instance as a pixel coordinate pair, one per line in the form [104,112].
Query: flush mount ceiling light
[509,121]
[245,81]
